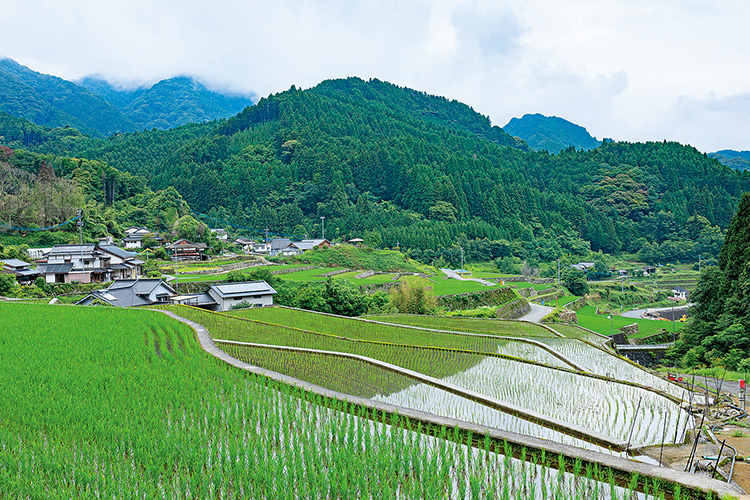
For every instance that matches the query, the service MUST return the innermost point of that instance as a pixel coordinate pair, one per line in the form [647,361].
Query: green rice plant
[115,403]
[488,326]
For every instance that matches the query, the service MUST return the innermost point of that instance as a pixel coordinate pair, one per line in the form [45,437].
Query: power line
[261,231]
[16,228]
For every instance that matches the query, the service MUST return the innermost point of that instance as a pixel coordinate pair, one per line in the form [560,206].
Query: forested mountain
[719,331]
[739,160]
[550,133]
[428,174]
[169,103]
[99,109]
[54,102]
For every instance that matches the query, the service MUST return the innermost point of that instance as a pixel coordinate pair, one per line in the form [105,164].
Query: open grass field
[372,280]
[600,323]
[442,285]
[309,274]
[573,332]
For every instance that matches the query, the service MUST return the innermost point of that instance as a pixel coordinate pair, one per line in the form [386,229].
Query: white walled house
[75,263]
[256,293]
[123,264]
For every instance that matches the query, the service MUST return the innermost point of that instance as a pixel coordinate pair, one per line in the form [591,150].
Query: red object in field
[742,384]
[679,379]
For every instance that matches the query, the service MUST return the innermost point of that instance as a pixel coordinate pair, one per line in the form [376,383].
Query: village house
[134,236]
[680,293]
[123,264]
[75,263]
[583,266]
[20,269]
[221,297]
[131,293]
[183,250]
[88,263]
[220,234]
[283,247]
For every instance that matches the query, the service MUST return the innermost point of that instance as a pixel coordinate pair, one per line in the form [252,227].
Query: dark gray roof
[198,299]
[54,268]
[243,289]
[67,249]
[119,252]
[279,243]
[27,272]
[129,293]
[140,286]
[304,245]
[14,263]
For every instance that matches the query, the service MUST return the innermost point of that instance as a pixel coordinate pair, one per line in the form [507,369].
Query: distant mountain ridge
[739,160]
[169,103]
[53,102]
[550,133]
[98,108]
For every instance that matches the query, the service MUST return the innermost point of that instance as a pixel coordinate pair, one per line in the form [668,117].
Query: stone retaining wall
[334,273]
[380,287]
[521,279]
[234,266]
[293,270]
[514,309]
[576,304]
[631,329]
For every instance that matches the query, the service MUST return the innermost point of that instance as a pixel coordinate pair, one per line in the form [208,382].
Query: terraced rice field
[617,410]
[113,403]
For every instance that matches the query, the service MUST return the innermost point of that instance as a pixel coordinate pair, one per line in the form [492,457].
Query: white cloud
[635,70]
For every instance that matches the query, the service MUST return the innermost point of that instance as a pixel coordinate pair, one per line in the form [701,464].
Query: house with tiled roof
[20,269]
[131,293]
[221,297]
[75,263]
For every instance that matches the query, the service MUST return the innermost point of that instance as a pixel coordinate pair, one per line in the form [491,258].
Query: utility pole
[558,282]
[323,225]
[462,258]
[699,263]
[266,235]
[80,238]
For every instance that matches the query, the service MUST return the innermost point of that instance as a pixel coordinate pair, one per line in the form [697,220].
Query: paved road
[453,274]
[712,383]
[637,313]
[537,313]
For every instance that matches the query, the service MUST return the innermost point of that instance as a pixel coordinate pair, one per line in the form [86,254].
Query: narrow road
[453,274]
[537,313]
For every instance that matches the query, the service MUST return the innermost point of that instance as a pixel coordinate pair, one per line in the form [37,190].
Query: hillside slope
[97,108]
[169,103]
[739,160]
[402,168]
[550,133]
[51,101]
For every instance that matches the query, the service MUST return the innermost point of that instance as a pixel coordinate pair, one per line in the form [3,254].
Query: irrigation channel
[521,406]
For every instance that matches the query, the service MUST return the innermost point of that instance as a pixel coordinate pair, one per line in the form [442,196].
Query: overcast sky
[631,70]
